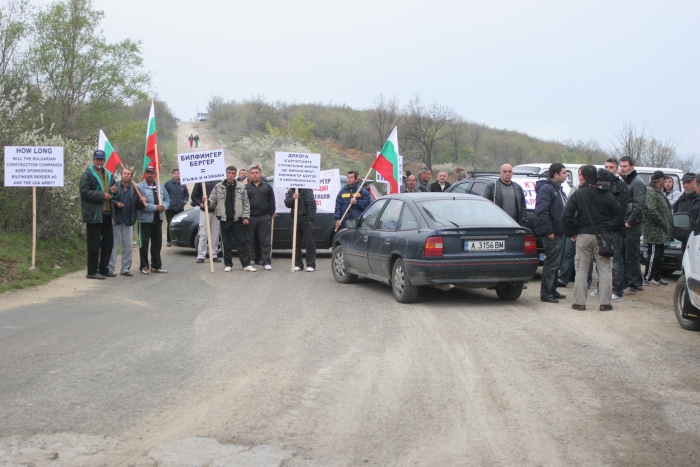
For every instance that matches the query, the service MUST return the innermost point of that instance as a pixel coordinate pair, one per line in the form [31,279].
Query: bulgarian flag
[151,157]
[112,159]
[387,162]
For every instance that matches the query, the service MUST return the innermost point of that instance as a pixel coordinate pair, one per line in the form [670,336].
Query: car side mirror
[351,224]
[681,220]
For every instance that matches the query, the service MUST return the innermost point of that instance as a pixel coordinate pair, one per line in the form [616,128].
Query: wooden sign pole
[33,266]
[206,211]
[294,234]
[272,234]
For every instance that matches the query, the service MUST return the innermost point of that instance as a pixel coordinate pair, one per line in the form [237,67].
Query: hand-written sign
[324,195]
[529,185]
[33,166]
[297,170]
[202,166]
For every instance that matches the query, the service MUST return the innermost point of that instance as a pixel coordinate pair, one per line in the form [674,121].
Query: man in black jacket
[305,226]
[634,224]
[549,207]
[179,196]
[590,211]
[621,191]
[125,212]
[688,202]
[262,210]
[508,196]
[213,222]
[441,184]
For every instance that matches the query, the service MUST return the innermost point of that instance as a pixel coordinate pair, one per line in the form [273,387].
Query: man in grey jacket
[229,201]
[634,223]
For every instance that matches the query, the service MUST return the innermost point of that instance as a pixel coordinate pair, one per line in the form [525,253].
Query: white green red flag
[150,157]
[112,159]
[387,162]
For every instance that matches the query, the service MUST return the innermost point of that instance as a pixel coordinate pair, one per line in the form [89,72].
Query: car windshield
[464,212]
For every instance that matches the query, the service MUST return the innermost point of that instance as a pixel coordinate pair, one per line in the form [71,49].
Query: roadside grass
[16,258]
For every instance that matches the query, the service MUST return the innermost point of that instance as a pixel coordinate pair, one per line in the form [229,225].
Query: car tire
[678,299]
[404,291]
[340,272]
[509,291]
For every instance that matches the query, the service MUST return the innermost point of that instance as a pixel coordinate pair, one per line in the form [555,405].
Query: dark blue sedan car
[443,240]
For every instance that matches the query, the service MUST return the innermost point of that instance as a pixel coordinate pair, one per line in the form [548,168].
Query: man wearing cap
[97,191]
[151,223]
[688,202]
[657,228]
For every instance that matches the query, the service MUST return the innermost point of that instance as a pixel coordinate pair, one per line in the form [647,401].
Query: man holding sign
[305,226]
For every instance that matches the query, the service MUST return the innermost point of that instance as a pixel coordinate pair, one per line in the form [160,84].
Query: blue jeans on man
[554,250]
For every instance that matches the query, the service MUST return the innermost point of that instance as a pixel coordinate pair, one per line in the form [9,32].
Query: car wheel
[404,291]
[680,300]
[340,273]
[509,291]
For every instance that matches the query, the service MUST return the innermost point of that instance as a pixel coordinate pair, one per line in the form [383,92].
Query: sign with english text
[40,166]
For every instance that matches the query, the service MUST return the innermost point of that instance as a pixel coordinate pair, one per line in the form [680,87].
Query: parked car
[185,225]
[443,240]
[686,298]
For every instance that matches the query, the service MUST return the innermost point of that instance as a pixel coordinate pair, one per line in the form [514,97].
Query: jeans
[151,233]
[567,261]
[633,268]
[586,250]
[125,233]
[233,236]
[100,240]
[554,250]
[618,268]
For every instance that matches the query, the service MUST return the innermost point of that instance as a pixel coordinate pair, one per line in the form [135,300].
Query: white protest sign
[380,179]
[297,170]
[33,166]
[196,167]
[528,187]
[325,194]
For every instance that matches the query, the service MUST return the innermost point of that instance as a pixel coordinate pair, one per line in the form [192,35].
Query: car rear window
[463,212]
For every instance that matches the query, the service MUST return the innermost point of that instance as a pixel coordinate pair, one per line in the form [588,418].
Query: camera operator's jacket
[657,227]
[602,206]
[241,204]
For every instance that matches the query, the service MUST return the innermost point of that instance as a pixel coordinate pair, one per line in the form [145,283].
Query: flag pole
[160,195]
[350,205]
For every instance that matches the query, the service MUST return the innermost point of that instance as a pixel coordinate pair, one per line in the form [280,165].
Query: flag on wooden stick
[150,156]
[387,162]
[112,159]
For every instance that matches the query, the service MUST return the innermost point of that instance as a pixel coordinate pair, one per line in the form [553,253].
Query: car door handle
[387,241]
[366,237]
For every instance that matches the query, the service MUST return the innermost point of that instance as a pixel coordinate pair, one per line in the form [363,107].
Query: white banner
[380,179]
[325,194]
[528,186]
[196,167]
[33,166]
[297,170]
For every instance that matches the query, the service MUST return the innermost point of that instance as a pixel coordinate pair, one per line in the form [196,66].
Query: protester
[424,177]
[671,193]
[458,171]
[97,190]
[411,185]
[349,195]
[508,196]
[229,201]
[259,165]
[305,226]
[242,176]
[688,202]
[125,215]
[549,207]
[462,176]
[657,228]
[590,211]
[196,141]
[261,197]
[634,222]
[151,223]
[191,139]
[179,196]
[441,184]
[202,244]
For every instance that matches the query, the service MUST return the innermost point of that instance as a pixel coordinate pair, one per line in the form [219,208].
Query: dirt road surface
[272,368]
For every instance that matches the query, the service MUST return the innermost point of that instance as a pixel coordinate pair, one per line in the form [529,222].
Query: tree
[384,116]
[455,138]
[424,126]
[78,69]
[630,142]
[14,26]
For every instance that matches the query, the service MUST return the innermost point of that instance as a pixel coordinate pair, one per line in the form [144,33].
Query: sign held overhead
[33,166]
[297,170]
[202,166]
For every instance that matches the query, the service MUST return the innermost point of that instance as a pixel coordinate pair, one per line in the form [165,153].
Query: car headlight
[178,217]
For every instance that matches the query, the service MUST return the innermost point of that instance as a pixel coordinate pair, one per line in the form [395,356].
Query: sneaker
[168,244]
[249,268]
[630,290]
[651,283]
[595,293]
[227,269]
[616,298]
[310,269]
[297,268]
[268,267]
[662,282]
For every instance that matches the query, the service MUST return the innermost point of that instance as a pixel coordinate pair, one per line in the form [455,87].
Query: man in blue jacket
[349,195]
[179,196]
[151,222]
[549,207]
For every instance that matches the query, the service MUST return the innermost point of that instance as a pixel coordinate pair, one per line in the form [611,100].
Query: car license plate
[484,245]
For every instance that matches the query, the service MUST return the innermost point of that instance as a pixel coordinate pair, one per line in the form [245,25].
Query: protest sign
[325,194]
[297,170]
[528,186]
[196,167]
[33,166]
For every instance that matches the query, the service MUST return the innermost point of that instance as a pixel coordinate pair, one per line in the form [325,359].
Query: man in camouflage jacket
[657,228]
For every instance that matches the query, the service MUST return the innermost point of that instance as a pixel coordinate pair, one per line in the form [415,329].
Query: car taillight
[529,245]
[433,246]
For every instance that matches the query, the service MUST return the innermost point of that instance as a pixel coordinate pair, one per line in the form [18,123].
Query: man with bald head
[508,196]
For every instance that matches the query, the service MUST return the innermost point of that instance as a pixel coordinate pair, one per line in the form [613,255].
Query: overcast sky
[554,69]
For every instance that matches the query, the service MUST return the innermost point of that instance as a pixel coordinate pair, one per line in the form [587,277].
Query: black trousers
[169,214]
[633,268]
[653,270]
[260,227]
[151,232]
[233,235]
[100,240]
[305,231]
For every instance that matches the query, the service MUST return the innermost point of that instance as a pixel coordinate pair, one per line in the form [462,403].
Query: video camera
[607,181]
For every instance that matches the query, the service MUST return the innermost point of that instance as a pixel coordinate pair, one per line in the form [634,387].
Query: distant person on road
[441,184]
[590,210]
[242,176]
[196,141]
[262,210]
[671,193]
[508,196]
[202,245]
[350,196]
[411,185]
[97,191]
[424,176]
[549,207]
[304,227]
[191,139]
[634,223]
[657,228]
[125,215]
[151,223]
[688,202]
[229,201]
[179,196]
